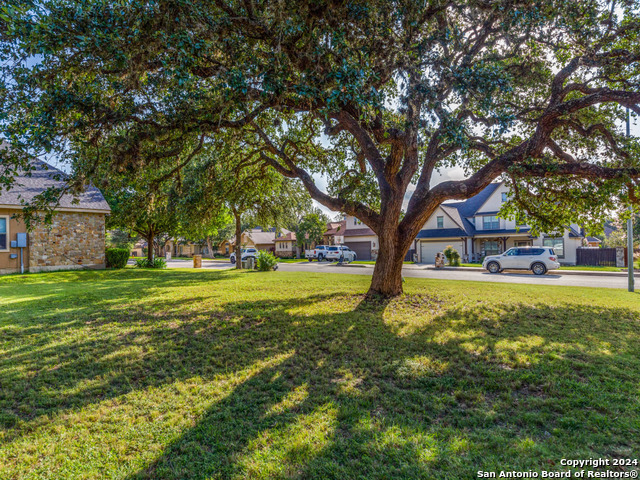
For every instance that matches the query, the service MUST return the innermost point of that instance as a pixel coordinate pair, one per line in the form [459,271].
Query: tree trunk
[210,247]
[387,274]
[150,236]
[238,247]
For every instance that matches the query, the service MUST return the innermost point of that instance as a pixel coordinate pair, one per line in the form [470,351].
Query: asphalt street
[421,271]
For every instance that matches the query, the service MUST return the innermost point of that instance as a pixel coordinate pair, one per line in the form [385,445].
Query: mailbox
[22,240]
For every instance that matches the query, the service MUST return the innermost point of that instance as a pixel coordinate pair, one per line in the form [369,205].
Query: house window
[440,222]
[522,243]
[557,243]
[490,222]
[356,221]
[4,234]
[504,197]
[491,247]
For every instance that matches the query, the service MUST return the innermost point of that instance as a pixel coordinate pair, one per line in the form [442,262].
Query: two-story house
[360,238]
[474,228]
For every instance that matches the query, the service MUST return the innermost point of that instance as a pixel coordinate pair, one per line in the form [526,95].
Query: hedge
[116,257]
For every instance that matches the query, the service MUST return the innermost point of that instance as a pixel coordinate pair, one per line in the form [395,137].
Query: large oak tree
[375,95]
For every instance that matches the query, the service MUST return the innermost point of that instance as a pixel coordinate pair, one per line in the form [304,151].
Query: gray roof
[26,187]
[260,238]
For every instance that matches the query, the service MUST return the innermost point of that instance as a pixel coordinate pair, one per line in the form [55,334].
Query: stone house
[76,237]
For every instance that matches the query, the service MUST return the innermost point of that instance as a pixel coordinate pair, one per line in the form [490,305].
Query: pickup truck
[343,252]
[319,253]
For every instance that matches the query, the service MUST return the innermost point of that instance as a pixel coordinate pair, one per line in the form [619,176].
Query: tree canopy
[374,95]
[310,229]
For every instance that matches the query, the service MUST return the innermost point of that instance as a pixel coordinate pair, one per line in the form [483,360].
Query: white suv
[246,253]
[536,259]
[335,253]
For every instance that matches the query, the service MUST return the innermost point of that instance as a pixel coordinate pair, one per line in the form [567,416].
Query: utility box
[21,239]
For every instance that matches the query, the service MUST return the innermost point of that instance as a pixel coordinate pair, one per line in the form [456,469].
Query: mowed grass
[212,375]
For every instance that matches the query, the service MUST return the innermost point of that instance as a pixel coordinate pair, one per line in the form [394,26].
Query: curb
[555,272]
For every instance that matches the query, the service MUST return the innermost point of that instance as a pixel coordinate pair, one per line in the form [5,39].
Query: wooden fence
[601,257]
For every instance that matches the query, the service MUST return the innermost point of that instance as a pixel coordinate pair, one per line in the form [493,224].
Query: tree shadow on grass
[328,386]
[474,389]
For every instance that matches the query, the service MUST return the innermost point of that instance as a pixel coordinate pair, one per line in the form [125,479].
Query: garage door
[428,250]
[362,249]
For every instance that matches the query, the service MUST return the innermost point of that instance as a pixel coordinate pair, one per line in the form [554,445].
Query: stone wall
[72,240]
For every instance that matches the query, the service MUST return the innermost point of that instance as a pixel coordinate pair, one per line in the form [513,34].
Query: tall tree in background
[142,212]
[373,94]
[224,180]
[310,229]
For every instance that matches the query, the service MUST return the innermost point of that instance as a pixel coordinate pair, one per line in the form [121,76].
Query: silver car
[537,259]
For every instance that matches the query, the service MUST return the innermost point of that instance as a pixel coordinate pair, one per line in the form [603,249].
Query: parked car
[340,252]
[319,253]
[537,259]
[246,253]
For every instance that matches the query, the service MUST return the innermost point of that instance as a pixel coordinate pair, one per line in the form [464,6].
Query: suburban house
[286,245]
[75,238]
[474,228]
[360,238]
[262,240]
[335,233]
[593,242]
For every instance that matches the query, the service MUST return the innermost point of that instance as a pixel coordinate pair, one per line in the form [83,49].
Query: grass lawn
[177,374]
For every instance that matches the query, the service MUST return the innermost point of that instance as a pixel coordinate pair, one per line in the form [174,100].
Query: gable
[449,220]
[493,203]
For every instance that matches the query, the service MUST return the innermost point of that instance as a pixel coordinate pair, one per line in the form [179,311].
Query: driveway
[421,271]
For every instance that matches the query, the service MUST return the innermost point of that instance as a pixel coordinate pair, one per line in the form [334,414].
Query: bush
[266,261]
[155,263]
[453,257]
[116,257]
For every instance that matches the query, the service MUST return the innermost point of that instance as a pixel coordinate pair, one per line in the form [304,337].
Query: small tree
[117,238]
[453,257]
[310,230]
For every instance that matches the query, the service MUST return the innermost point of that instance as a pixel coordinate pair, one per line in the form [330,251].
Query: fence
[600,257]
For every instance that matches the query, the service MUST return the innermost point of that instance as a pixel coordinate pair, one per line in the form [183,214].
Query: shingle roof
[335,228]
[287,237]
[469,207]
[358,232]
[26,187]
[259,237]
[500,231]
[442,233]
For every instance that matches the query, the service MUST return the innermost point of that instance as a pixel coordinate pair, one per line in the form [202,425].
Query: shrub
[266,261]
[453,257]
[155,263]
[116,257]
